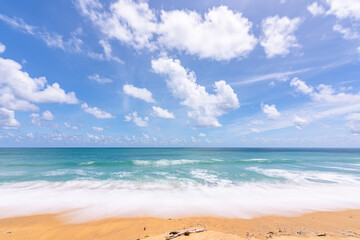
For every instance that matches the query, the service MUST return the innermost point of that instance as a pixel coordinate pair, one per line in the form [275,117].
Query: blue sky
[269,73]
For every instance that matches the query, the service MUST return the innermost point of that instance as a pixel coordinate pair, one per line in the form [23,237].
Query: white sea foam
[255,160]
[90,200]
[166,162]
[307,176]
[87,163]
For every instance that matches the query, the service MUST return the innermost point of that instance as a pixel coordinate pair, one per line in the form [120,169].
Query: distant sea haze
[95,183]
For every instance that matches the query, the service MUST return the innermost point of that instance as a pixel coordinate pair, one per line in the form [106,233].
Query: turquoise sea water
[228,182]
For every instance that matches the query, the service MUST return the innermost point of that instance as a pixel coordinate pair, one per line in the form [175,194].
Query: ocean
[93,183]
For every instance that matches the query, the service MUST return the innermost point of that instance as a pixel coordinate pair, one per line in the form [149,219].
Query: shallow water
[227,182]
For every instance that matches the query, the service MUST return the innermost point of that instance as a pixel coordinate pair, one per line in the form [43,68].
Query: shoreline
[333,224]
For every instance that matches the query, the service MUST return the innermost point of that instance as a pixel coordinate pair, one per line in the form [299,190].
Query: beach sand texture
[336,225]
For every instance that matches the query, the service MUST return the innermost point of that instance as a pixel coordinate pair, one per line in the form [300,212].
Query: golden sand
[336,225]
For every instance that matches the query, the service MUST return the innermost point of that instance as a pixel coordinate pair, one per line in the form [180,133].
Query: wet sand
[335,225]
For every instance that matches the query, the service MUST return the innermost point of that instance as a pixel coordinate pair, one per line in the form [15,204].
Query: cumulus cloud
[140,122]
[163,113]
[315,9]
[300,122]
[347,33]
[50,38]
[98,129]
[2,48]
[325,93]
[7,119]
[344,8]
[205,107]
[141,93]
[68,125]
[301,86]
[270,111]
[220,34]
[19,91]
[278,35]
[96,112]
[46,116]
[127,21]
[98,79]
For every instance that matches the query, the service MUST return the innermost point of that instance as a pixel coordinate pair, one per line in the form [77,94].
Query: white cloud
[127,21]
[315,9]
[222,34]
[325,93]
[141,93]
[98,79]
[96,112]
[2,48]
[255,130]
[278,35]
[98,129]
[347,33]
[18,89]
[202,134]
[137,120]
[301,86]
[257,122]
[300,122]
[205,107]
[68,125]
[7,119]
[270,111]
[50,38]
[344,8]
[358,50]
[47,115]
[163,113]
[30,135]
[107,55]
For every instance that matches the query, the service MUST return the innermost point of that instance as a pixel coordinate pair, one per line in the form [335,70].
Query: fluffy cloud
[202,135]
[2,48]
[137,120]
[141,93]
[98,129]
[205,107]
[325,93]
[278,35]
[128,21]
[270,111]
[300,122]
[98,79]
[301,86]
[163,113]
[344,8]
[96,112]
[7,119]
[18,89]
[222,34]
[347,33]
[47,115]
[315,9]
[68,125]
[50,38]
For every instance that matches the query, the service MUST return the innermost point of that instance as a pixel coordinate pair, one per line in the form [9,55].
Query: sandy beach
[318,225]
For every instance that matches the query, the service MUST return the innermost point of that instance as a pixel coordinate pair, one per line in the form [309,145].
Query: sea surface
[92,183]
